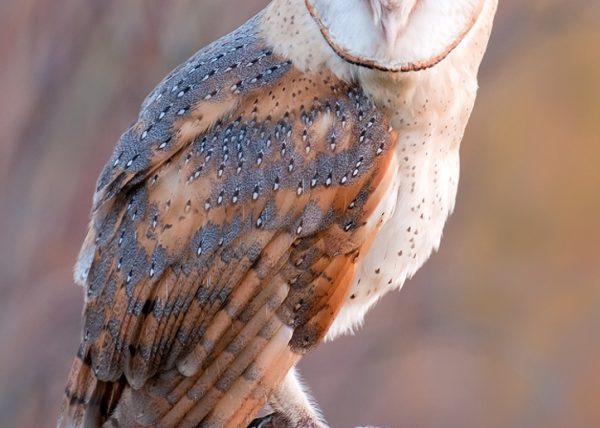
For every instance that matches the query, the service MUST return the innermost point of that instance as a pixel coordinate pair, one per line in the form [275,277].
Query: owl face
[395,35]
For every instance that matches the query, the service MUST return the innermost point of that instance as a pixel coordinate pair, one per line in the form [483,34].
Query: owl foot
[270,421]
[278,420]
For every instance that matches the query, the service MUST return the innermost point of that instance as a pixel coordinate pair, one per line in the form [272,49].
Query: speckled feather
[270,192]
[226,230]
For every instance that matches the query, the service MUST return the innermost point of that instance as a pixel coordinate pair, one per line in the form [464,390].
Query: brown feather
[225,234]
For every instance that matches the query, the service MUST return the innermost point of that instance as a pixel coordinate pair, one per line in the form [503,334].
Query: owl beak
[391,28]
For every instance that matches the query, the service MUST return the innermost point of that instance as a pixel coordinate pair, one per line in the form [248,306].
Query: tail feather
[87,401]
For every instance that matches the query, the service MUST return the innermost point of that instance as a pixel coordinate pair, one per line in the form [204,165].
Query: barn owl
[273,188]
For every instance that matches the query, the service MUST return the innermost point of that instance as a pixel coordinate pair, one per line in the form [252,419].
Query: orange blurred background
[501,328]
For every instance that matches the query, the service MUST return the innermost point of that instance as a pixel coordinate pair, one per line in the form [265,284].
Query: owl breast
[418,201]
[429,111]
[413,214]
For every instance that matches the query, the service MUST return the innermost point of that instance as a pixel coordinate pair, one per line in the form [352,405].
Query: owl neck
[293,32]
[450,83]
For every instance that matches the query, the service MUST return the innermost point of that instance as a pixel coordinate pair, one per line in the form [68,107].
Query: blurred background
[500,329]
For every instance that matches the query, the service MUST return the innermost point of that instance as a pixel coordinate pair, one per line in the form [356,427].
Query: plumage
[268,194]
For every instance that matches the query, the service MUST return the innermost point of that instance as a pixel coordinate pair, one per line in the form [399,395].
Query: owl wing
[225,232]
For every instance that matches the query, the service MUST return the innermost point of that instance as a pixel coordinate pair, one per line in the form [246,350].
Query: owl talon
[264,422]
[277,420]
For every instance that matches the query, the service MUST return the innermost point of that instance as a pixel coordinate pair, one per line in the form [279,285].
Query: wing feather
[225,234]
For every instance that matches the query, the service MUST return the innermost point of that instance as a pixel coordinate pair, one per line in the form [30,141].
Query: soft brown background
[501,327]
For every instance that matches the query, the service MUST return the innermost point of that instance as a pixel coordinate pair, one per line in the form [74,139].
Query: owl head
[394,35]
